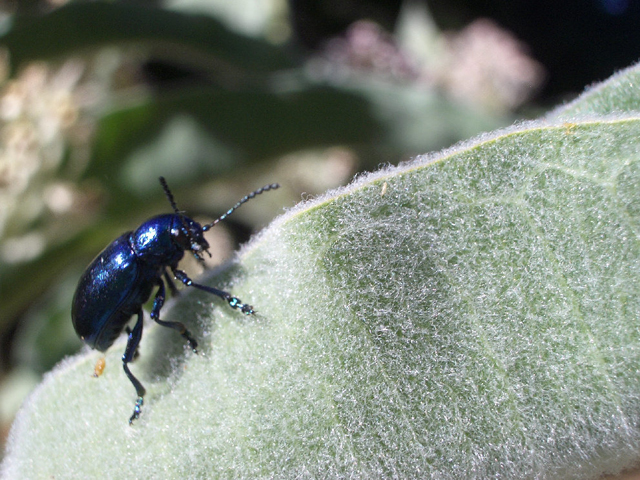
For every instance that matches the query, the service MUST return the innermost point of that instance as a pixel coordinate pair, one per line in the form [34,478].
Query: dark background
[578,42]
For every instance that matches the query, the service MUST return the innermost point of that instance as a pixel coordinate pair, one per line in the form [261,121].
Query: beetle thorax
[153,241]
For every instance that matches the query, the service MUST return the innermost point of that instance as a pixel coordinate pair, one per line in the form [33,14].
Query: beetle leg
[155,315]
[234,302]
[132,346]
[172,286]
[136,354]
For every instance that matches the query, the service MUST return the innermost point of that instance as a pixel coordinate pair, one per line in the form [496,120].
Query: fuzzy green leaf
[472,314]
[618,94]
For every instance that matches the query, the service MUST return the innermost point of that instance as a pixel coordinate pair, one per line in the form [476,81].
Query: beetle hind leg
[129,353]
[155,315]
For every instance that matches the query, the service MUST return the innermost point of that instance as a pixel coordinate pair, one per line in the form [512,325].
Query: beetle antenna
[169,195]
[245,199]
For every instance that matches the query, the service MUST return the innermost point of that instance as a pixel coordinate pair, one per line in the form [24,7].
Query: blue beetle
[122,277]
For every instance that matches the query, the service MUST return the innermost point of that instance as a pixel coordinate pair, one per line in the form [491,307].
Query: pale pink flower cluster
[488,66]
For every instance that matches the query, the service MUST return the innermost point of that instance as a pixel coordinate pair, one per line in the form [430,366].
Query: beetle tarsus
[136,410]
[235,302]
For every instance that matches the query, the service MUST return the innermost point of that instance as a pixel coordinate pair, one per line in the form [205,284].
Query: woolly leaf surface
[471,314]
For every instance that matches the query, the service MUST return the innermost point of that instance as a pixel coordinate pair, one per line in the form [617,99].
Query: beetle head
[188,234]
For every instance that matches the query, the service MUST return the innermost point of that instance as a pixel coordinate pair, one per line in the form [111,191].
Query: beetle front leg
[172,286]
[234,302]
[132,347]
[155,315]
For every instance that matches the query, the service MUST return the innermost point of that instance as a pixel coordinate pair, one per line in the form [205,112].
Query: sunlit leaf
[472,314]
